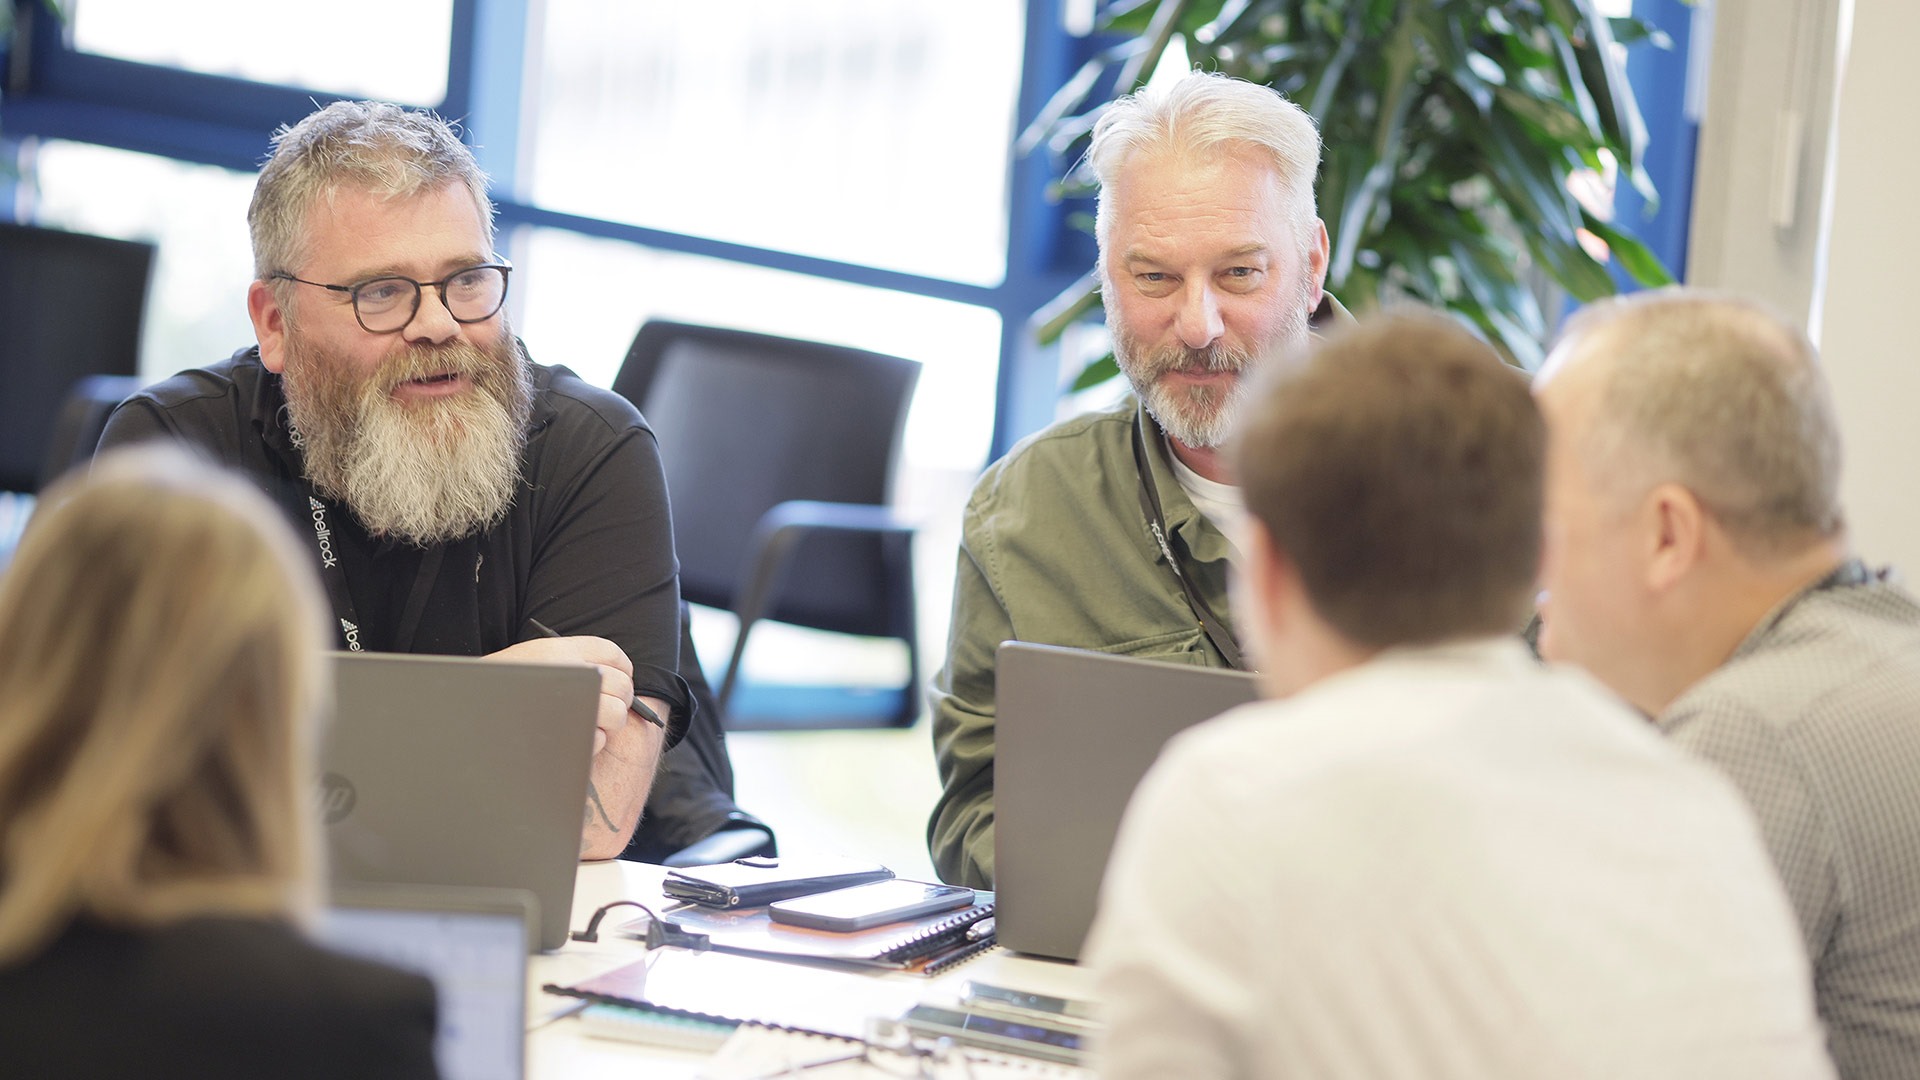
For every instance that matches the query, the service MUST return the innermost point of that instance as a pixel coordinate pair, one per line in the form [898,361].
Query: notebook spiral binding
[933,938]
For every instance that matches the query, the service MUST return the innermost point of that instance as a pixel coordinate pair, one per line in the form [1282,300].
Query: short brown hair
[1399,466]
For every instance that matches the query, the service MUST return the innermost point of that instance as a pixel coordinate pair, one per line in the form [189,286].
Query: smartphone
[996,1033]
[865,906]
[1021,1005]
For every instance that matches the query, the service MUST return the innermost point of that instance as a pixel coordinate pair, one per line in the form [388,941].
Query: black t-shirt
[586,548]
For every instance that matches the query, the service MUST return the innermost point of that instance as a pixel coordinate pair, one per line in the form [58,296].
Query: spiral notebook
[926,946]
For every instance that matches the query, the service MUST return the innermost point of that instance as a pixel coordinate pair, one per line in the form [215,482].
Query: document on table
[765,991]
[757,1053]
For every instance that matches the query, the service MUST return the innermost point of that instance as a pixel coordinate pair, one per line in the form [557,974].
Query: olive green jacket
[1054,550]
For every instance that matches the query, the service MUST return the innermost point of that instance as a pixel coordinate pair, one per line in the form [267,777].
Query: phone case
[763,879]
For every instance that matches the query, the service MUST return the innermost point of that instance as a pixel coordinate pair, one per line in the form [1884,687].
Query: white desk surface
[558,1047]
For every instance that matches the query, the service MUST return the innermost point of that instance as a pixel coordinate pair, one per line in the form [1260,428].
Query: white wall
[1868,330]
[1761,178]
[1820,220]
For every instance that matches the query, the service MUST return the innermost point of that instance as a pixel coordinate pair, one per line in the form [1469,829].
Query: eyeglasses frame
[419,288]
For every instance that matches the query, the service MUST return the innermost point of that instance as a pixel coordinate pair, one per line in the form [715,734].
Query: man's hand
[616,676]
[626,749]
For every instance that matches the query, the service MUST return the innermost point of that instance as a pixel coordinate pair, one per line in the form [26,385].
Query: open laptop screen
[472,944]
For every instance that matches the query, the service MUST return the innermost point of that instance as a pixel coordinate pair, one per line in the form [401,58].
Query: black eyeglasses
[384,305]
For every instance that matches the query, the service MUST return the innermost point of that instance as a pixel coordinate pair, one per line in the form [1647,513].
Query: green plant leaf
[1074,303]
[1628,30]
[1106,367]
[1635,257]
[1166,19]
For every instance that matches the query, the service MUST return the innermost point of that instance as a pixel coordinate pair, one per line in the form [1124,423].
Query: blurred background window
[865,131]
[354,48]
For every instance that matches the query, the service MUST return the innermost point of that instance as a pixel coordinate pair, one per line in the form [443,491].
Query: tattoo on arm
[593,793]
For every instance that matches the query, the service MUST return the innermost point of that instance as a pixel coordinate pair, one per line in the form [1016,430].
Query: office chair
[72,306]
[81,421]
[780,456]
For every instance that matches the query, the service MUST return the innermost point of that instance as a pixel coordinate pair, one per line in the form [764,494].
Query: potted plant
[1454,132]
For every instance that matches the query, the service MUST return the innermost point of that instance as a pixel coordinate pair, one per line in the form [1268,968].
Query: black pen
[646,712]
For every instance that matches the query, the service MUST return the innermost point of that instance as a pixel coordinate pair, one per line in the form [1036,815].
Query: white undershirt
[1220,503]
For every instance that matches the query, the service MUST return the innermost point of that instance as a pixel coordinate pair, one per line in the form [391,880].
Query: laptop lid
[471,942]
[1075,732]
[444,770]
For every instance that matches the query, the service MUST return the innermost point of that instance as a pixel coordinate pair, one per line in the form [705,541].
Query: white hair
[1201,114]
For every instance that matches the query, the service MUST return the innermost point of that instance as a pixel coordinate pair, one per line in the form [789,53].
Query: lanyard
[334,576]
[1210,624]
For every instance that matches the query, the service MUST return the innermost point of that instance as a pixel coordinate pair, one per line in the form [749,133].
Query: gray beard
[1201,417]
[429,472]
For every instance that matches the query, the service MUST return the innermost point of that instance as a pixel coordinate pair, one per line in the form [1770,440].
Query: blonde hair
[160,674]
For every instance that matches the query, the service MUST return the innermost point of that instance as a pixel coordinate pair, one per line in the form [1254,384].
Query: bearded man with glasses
[458,498]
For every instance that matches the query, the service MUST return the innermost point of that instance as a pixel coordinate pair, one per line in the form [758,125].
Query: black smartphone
[996,1033]
[865,906]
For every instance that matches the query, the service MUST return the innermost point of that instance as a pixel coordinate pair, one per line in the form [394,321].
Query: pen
[641,707]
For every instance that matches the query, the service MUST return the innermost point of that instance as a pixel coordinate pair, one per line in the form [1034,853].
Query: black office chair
[81,421]
[70,306]
[780,456]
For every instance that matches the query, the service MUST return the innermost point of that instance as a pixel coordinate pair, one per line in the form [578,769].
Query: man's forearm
[617,788]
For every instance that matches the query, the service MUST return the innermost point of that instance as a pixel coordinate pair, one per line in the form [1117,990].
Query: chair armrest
[775,536]
[780,530]
[804,514]
[733,842]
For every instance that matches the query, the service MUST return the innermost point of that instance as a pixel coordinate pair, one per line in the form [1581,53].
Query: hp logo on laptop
[336,798]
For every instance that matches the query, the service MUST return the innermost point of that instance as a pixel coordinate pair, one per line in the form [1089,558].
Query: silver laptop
[471,942]
[1075,732]
[458,771]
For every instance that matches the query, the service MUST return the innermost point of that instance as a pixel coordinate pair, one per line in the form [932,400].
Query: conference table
[560,1045]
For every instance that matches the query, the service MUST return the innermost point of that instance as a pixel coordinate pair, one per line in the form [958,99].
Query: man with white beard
[1112,531]
[458,498]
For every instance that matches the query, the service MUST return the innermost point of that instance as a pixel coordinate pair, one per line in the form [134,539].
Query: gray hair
[382,148]
[1201,114]
[1721,396]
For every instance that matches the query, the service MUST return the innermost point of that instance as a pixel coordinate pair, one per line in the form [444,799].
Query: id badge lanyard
[319,515]
[1210,624]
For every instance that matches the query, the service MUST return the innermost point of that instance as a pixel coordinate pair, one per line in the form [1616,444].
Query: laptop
[1075,732]
[471,942]
[459,771]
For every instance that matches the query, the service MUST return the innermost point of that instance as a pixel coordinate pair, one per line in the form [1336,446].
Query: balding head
[1712,393]
[1692,475]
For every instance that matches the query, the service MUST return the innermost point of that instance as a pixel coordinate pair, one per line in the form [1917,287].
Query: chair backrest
[70,306]
[82,420]
[747,421]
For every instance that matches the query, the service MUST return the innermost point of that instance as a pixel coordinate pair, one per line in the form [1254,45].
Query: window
[197,214]
[358,48]
[865,131]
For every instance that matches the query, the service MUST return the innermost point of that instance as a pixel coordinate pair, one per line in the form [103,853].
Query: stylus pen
[646,712]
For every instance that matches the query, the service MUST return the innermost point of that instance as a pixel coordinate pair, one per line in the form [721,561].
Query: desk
[557,1047]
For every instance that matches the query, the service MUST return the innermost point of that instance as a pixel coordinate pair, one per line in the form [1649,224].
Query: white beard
[427,472]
